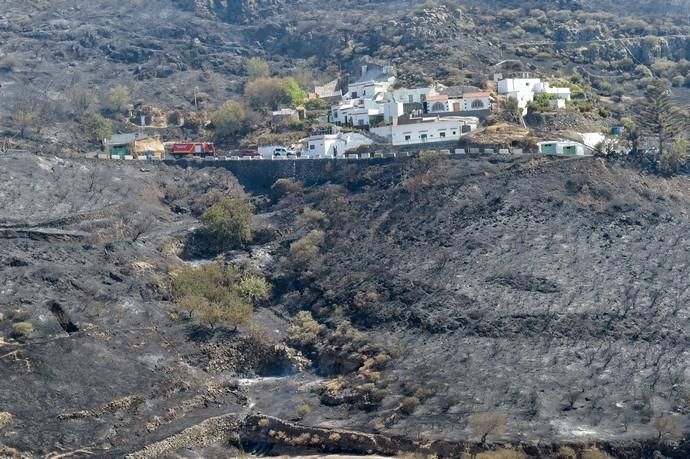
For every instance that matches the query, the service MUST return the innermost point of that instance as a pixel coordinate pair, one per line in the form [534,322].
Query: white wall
[519,84]
[444,130]
[467,103]
[392,111]
[330,144]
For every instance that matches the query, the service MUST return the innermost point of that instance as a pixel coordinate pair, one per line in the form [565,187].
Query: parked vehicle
[277,152]
[192,149]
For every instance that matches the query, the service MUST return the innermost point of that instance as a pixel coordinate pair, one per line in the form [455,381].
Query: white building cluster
[402,116]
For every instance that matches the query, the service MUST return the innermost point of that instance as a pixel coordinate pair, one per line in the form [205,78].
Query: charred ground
[549,293]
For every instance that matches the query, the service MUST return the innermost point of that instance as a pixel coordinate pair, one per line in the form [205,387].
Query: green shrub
[254,288]
[307,248]
[285,186]
[210,294]
[97,127]
[118,100]
[227,224]
[230,120]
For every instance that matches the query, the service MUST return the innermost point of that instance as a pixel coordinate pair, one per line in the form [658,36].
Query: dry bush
[5,419]
[305,331]
[8,63]
[487,424]
[284,186]
[594,453]
[409,404]
[303,411]
[313,218]
[566,452]
[502,454]
[307,248]
[22,330]
[668,428]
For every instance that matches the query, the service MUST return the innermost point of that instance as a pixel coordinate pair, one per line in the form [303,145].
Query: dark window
[477,104]
[407,137]
[438,107]
[442,134]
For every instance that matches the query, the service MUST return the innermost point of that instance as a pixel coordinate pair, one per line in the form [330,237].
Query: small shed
[121,146]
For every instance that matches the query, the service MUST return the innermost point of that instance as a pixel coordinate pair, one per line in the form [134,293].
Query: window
[454,132]
[477,103]
[438,107]
[422,98]
[312,147]
[360,122]
[410,98]
[423,136]
[442,134]
[407,137]
[354,95]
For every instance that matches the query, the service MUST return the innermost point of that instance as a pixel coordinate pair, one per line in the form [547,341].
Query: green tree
[658,116]
[227,224]
[118,100]
[97,127]
[673,158]
[210,294]
[512,108]
[230,120]
[256,68]
[272,93]
[294,92]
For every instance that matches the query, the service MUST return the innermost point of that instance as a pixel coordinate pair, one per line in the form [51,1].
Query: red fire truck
[192,149]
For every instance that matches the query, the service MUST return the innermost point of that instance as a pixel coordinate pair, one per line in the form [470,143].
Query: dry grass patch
[5,419]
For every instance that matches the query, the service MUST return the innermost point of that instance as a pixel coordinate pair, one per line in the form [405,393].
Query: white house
[423,130]
[355,110]
[561,148]
[331,143]
[523,89]
[375,79]
[474,101]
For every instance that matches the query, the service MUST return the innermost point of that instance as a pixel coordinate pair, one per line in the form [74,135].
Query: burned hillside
[426,302]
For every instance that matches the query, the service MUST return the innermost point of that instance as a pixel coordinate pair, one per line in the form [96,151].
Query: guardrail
[458,152]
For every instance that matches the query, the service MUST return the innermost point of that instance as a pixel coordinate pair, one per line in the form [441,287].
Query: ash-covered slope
[554,292]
